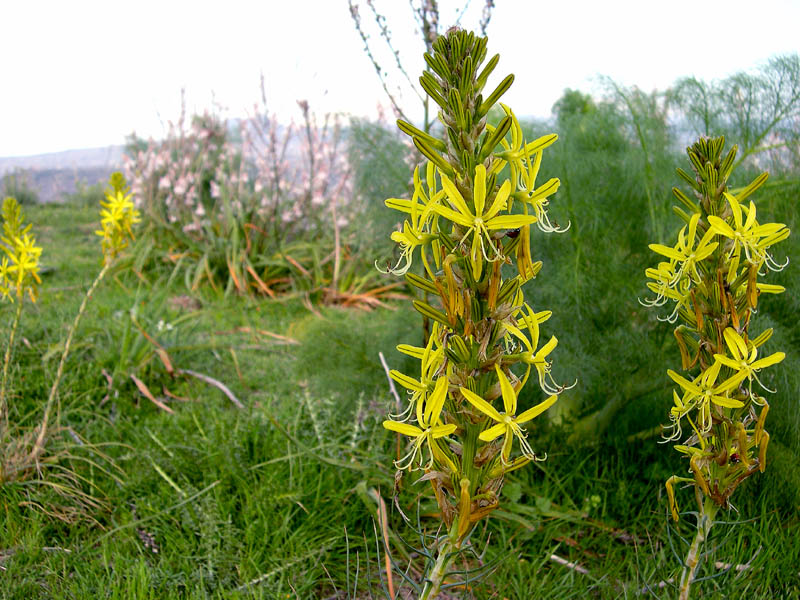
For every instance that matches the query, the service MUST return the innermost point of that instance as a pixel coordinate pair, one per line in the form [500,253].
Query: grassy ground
[276,500]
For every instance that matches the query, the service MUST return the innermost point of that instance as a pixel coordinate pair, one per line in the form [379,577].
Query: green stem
[37,450]
[705,520]
[434,582]
[6,361]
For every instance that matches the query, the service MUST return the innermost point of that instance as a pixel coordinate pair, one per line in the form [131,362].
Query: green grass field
[279,499]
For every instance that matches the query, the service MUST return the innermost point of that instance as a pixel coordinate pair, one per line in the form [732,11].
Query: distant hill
[56,174]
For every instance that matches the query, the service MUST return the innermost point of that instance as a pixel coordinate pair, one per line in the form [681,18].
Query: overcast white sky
[83,74]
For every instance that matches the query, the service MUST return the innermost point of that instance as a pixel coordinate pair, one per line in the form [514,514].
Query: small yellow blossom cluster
[711,275]
[19,265]
[118,216]
[471,213]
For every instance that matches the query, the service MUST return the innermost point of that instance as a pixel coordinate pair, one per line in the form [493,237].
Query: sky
[83,74]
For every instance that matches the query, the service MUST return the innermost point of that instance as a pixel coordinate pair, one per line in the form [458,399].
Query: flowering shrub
[234,214]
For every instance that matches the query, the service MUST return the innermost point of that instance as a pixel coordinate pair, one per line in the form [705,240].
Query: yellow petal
[509,396]
[535,411]
[404,428]
[481,404]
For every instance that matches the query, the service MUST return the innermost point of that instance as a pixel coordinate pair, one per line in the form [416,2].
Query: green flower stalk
[711,275]
[117,217]
[468,218]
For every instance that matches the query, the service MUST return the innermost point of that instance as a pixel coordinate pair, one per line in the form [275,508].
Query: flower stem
[708,509]
[434,582]
[40,440]
[6,361]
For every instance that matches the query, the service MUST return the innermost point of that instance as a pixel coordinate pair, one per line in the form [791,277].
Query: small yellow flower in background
[117,218]
[19,270]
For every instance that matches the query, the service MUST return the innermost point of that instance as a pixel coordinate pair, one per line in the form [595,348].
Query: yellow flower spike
[117,218]
[19,271]
[507,423]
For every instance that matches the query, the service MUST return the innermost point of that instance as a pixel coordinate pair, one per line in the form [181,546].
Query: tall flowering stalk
[469,217]
[117,218]
[710,278]
[19,275]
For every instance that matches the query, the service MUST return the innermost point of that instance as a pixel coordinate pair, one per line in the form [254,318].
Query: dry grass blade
[217,384]
[149,395]
[260,284]
[384,519]
[276,336]
[568,564]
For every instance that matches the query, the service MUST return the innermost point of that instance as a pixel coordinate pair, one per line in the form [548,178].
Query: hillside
[56,174]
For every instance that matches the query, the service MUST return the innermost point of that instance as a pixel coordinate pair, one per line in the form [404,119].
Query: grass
[277,500]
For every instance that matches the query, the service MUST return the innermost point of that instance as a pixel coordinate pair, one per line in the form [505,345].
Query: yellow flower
[24,268]
[479,222]
[418,231]
[117,218]
[685,251]
[703,391]
[538,197]
[753,238]
[429,429]
[745,360]
[536,358]
[431,360]
[507,423]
